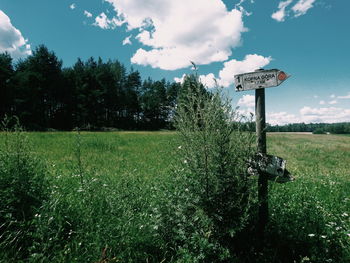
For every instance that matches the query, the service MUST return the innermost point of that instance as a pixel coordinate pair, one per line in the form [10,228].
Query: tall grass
[23,193]
[162,197]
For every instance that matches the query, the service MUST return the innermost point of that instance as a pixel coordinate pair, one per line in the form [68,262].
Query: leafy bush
[210,198]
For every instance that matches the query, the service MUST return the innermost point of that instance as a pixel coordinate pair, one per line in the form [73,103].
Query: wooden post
[261,147]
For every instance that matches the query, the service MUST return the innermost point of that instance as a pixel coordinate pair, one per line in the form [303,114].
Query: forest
[98,95]
[91,94]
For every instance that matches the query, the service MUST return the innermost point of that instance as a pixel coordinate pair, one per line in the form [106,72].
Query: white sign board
[273,166]
[259,79]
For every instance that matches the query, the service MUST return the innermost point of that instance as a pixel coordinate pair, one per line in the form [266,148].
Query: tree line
[316,128]
[91,94]
[98,95]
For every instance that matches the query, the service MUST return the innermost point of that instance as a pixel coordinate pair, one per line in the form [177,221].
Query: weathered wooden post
[266,167]
[260,121]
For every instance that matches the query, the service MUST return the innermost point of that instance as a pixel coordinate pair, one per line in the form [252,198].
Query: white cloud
[87,13]
[247,101]
[333,102]
[328,115]
[246,105]
[72,6]
[127,40]
[178,32]
[310,115]
[344,97]
[246,113]
[233,67]
[281,118]
[302,7]
[181,79]
[104,22]
[280,14]
[332,96]
[208,80]
[322,102]
[11,39]
[315,96]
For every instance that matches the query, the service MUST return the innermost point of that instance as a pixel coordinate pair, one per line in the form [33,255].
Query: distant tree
[153,97]
[6,92]
[131,103]
[38,89]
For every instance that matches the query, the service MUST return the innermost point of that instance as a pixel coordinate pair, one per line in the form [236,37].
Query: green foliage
[23,192]
[210,198]
[316,128]
[91,95]
[318,131]
[133,197]
[6,76]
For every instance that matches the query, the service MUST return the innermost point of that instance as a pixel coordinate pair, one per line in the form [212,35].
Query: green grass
[109,205]
[113,153]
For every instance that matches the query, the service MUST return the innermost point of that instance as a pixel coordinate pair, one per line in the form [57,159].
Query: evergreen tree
[6,75]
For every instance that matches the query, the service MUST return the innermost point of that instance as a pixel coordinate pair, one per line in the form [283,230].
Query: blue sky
[308,39]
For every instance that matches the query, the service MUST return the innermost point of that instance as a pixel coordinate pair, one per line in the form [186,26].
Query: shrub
[210,199]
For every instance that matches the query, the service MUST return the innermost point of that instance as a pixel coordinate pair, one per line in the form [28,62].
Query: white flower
[179,147]
[323,236]
[311,235]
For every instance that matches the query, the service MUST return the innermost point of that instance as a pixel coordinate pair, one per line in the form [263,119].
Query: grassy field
[309,218]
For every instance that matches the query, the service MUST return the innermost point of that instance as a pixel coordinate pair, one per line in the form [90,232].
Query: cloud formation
[11,39]
[177,32]
[87,13]
[344,97]
[328,115]
[72,6]
[310,115]
[299,8]
[248,64]
[280,14]
[127,40]
[232,67]
[247,101]
[302,6]
[104,22]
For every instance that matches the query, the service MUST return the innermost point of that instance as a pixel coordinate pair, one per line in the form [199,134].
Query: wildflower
[323,236]
[345,214]
[179,147]
[311,235]
[185,161]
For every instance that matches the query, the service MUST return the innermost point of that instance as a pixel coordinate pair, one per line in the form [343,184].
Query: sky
[307,39]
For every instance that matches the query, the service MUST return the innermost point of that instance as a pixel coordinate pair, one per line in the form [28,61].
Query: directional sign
[260,79]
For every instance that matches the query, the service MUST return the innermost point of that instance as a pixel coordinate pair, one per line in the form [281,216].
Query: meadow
[106,190]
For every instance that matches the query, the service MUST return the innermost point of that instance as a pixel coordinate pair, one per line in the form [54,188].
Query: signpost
[258,81]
